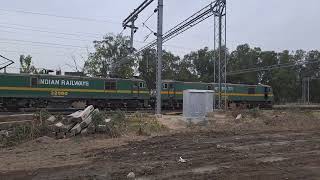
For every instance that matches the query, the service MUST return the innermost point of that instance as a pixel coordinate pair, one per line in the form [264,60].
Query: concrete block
[52,119]
[79,116]
[60,127]
[84,124]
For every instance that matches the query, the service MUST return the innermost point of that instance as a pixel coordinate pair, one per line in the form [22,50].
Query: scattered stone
[131,175]
[239,117]
[221,146]
[182,160]
[52,119]
[4,133]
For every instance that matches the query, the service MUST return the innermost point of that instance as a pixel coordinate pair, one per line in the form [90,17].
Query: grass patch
[144,124]
[28,131]
[116,127]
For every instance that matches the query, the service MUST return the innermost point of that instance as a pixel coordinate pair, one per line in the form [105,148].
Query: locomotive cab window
[110,85]
[165,86]
[141,85]
[251,90]
[34,81]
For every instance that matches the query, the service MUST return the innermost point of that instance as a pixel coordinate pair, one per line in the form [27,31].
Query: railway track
[54,111]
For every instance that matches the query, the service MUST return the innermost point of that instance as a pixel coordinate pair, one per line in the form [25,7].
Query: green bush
[22,133]
[115,128]
[145,124]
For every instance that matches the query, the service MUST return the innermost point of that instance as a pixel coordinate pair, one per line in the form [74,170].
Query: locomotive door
[34,82]
[135,90]
[266,93]
[171,91]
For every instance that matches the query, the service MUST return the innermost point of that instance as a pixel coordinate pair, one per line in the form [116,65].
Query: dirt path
[46,152]
[208,155]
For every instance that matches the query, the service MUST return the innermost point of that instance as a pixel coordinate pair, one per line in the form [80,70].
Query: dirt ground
[259,145]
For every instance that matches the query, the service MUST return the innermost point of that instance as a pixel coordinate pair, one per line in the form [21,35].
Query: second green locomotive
[237,94]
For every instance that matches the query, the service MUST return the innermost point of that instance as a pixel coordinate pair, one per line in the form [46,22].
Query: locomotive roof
[64,76]
[217,83]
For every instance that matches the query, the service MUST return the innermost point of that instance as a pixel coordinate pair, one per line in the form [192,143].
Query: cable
[8,63]
[121,32]
[276,66]
[155,10]
[51,36]
[72,34]
[42,43]
[38,45]
[60,16]
[53,30]
[191,21]
[31,53]
[44,31]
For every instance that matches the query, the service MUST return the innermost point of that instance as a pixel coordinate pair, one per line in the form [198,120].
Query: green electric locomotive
[238,94]
[29,90]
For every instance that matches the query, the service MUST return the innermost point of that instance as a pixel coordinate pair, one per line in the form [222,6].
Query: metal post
[159,60]
[214,51]
[220,57]
[225,60]
[220,70]
[132,34]
[303,90]
[308,92]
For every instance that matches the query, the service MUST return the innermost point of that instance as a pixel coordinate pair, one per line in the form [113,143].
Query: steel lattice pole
[220,56]
[159,59]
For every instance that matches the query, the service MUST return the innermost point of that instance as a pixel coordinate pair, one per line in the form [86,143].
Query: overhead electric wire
[44,43]
[8,63]
[41,45]
[47,35]
[133,16]
[62,16]
[154,12]
[43,31]
[191,21]
[186,24]
[276,66]
[63,54]
[50,29]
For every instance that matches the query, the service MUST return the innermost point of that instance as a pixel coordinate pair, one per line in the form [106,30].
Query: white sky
[270,24]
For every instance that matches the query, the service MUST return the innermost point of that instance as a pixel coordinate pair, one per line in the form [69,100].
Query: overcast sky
[53,40]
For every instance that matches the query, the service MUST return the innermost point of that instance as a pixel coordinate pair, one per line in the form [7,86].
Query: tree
[26,65]
[147,67]
[244,57]
[186,71]
[112,58]
[169,65]
[200,64]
